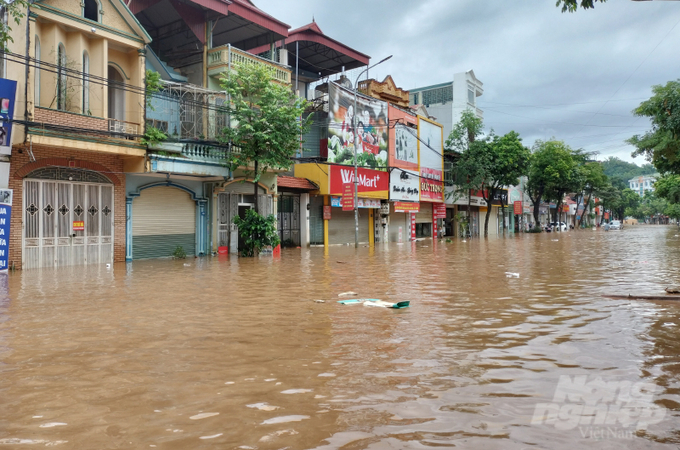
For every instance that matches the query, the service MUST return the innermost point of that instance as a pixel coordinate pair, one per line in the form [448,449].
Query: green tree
[668,187]
[16,10]
[572,5]
[629,201]
[465,134]
[553,171]
[593,180]
[499,161]
[268,121]
[673,211]
[619,171]
[257,232]
[661,145]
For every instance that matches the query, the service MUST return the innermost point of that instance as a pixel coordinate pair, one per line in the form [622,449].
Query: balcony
[188,158]
[221,59]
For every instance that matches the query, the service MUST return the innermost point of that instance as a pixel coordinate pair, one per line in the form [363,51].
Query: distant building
[447,101]
[642,184]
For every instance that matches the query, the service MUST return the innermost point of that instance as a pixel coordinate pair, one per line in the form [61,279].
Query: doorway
[242,208]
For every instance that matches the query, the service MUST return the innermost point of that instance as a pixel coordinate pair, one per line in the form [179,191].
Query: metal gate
[67,223]
[288,219]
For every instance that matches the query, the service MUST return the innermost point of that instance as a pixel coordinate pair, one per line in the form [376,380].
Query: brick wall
[47,156]
[54,117]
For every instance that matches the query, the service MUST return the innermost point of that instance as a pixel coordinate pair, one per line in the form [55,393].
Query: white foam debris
[249,379]
[284,419]
[53,424]
[156,410]
[327,374]
[229,382]
[316,362]
[346,294]
[278,383]
[296,391]
[512,274]
[212,436]
[319,396]
[270,379]
[19,441]
[203,415]
[263,406]
[37,417]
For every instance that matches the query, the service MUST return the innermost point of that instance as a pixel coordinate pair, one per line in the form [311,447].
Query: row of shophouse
[87,190]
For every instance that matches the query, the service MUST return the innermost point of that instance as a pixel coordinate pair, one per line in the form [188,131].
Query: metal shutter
[425,213]
[341,227]
[163,218]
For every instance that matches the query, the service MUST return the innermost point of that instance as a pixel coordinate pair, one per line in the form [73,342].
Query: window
[471,96]
[86,84]
[36,90]
[91,10]
[61,77]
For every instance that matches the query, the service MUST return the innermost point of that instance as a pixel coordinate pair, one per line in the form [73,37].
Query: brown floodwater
[236,353]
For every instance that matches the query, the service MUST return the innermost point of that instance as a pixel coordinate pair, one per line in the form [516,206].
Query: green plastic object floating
[375,302]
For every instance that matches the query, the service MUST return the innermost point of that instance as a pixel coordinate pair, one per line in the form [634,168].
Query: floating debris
[512,274]
[203,416]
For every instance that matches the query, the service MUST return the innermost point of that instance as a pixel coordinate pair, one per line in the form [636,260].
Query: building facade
[642,184]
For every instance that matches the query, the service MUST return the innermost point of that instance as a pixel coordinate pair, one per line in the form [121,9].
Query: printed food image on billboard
[403,143]
[371,129]
[431,148]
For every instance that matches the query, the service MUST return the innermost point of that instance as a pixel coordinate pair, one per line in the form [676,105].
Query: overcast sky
[576,77]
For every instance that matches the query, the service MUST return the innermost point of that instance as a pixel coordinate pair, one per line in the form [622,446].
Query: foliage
[495,162]
[179,253]
[268,119]
[572,5]
[258,232]
[673,211]
[152,136]
[593,179]
[661,145]
[466,131]
[153,84]
[552,172]
[651,205]
[668,187]
[619,171]
[16,11]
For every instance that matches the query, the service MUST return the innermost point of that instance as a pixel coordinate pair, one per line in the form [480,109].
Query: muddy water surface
[210,354]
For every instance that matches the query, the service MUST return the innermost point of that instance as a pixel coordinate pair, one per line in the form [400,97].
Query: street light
[356,144]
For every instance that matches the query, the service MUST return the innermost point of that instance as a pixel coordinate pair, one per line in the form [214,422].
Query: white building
[642,184]
[447,101]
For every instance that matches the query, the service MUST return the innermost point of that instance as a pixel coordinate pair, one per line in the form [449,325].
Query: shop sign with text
[439,211]
[363,202]
[372,183]
[404,185]
[431,185]
[406,207]
[517,207]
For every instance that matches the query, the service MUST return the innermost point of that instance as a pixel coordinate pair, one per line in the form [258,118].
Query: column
[128,228]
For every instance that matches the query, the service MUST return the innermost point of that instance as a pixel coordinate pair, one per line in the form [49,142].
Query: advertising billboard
[403,144]
[431,151]
[8,90]
[372,183]
[5,215]
[371,129]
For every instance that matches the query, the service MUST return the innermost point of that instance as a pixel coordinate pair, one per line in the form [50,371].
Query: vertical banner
[5,215]
[517,208]
[8,89]
[347,197]
[413,226]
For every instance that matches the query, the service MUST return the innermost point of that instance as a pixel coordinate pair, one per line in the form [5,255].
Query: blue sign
[5,216]
[8,90]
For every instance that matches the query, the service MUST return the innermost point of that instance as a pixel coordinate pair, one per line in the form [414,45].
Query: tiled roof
[295,183]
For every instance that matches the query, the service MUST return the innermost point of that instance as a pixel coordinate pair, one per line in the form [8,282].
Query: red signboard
[517,208]
[347,197]
[606,216]
[370,181]
[431,185]
[439,211]
[78,225]
[327,213]
[406,207]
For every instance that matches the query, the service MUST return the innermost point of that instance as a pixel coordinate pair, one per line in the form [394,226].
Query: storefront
[330,223]
[429,220]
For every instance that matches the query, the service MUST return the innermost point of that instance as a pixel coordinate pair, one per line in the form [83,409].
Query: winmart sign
[369,181]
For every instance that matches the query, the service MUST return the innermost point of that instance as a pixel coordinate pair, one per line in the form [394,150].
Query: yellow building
[78,120]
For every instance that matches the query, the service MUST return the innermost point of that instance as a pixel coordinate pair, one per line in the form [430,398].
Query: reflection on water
[237,353]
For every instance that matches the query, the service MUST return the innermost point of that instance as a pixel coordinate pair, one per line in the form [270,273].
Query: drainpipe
[28,48]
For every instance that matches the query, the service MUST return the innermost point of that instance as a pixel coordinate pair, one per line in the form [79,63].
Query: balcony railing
[204,152]
[123,127]
[229,56]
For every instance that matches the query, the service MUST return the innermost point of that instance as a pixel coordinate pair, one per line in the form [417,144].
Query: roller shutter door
[341,227]
[163,218]
[425,213]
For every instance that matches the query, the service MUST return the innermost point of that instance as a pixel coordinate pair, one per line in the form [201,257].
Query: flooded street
[210,354]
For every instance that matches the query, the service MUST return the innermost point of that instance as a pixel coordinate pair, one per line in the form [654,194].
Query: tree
[594,179]
[464,135]
[257,232]
[661,145]
[668,187]
[552,173]
[498,161]
[268,121]
[16,10]
[572,5]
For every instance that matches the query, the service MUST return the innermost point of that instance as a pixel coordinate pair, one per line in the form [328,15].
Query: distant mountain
[620,171]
